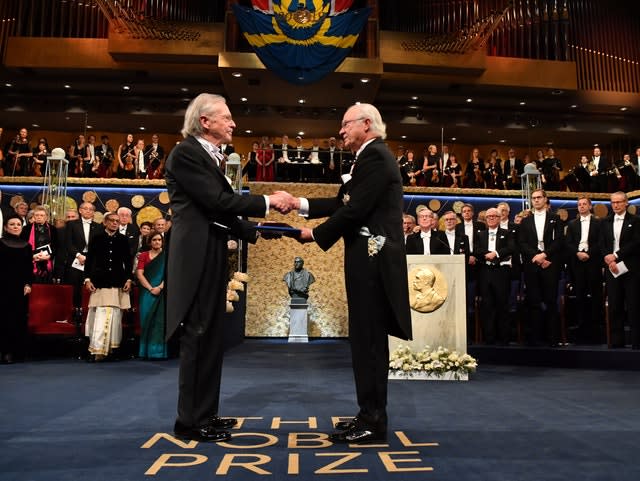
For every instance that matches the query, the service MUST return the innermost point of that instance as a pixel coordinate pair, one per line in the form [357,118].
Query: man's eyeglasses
[347,122]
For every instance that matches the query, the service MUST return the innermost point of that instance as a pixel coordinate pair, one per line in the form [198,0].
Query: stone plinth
[298,319]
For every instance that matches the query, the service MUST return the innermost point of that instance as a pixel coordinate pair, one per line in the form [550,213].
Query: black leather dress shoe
[206,434]
[346,425]
[358,436]
[222,423]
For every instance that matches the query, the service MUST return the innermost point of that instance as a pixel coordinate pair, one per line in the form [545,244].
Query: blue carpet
[64,420]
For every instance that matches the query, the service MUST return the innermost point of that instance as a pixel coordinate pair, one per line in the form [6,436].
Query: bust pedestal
[298,318]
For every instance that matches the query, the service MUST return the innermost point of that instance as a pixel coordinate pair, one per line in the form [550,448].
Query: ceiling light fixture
[67,86]
[365,80]
[415,97]
[523,103]
[243,99]
[469,100]
[142,128]
[623,109]
[184,89]
[8,85]
[126,87]
[237,74]
[301,101]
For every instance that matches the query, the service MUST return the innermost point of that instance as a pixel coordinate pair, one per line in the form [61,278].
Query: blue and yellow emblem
[301,41]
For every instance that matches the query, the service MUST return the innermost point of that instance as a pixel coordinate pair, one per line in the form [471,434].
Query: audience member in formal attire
[621,246]
[635,162]
[197,261]
[78,234]
[128,228]
[251,166]
[583,239]
[331,161]
[599,171]
[42,237]
[90,163]
[5,212]
[408,225]
[15,286]
[494,250]
[516,262]
[265,159]
[22,209]
[471,228]
[108,274]
[150,273]
[371,202]
[283,155]
[541,243]
[457,241]
[408,169]
[428,240]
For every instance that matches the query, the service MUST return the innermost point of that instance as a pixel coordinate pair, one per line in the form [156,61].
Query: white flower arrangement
[438,362]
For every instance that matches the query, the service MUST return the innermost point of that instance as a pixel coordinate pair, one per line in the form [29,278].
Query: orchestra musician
[104,158]
[125,158]
[39,159]
[19,153]
[77,153]
[153,159]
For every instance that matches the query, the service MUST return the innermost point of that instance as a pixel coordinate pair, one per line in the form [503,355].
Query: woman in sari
[150,274]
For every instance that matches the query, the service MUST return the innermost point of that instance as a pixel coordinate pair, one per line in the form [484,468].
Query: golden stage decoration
[434,205]
[632,209]
[98,217]
[428,288]
[112,205]
[89,196]
[137,201]
[600,210]
[148,214]
[163,197]
[457,206]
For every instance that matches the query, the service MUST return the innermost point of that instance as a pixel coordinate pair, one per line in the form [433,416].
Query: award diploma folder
[276,229]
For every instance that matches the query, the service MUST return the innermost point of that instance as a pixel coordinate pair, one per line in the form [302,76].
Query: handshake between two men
[284,203]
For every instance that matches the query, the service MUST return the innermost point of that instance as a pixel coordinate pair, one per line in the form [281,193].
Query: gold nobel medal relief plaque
[427,288]
[457,206]
[148,214]
[434,205]
[89,196]
[137,201]
[112,205]
[98,217]
[164,197]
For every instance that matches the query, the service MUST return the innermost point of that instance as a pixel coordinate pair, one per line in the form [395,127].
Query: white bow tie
[425,235]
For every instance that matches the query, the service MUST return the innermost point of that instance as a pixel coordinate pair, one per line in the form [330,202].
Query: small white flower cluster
[438,361]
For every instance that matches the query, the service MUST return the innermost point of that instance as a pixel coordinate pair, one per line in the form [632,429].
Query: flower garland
[437,362]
